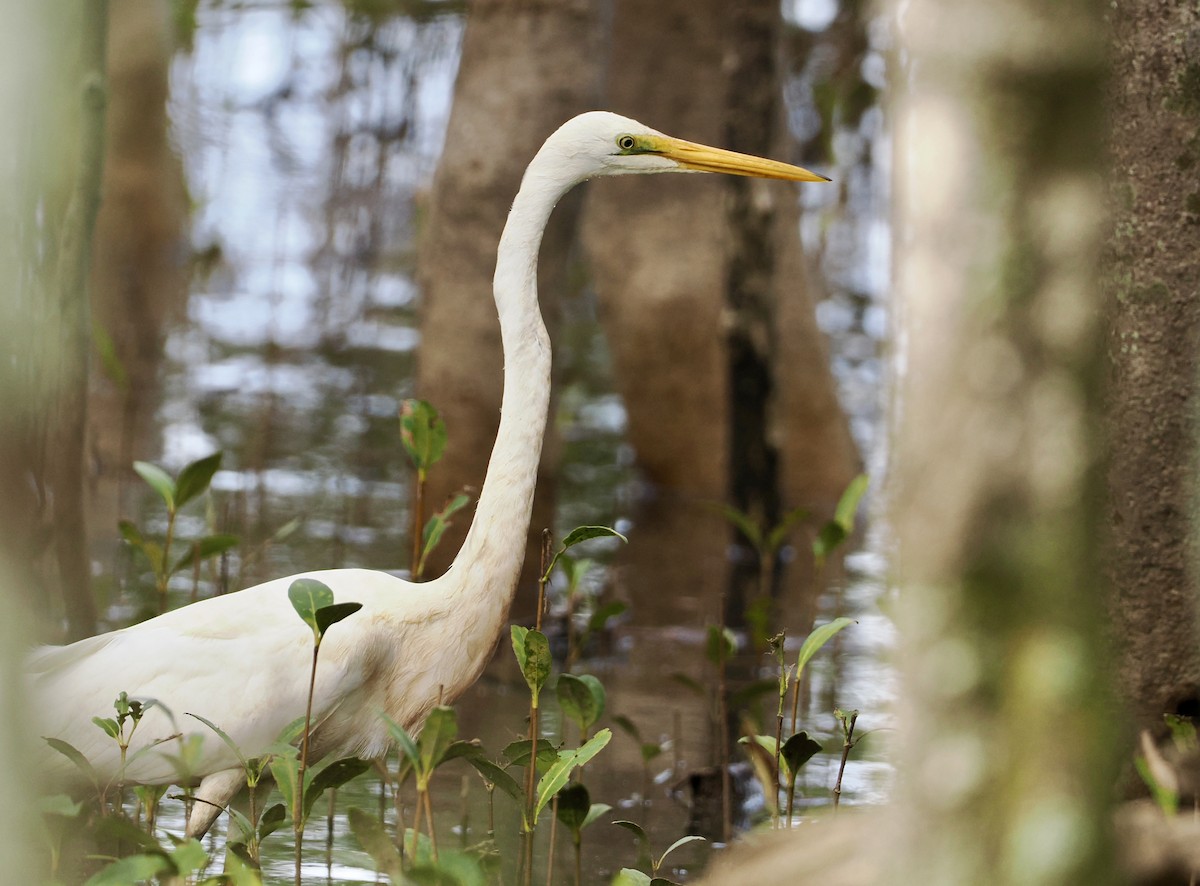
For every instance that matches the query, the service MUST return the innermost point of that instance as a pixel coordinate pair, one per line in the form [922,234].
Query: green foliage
[817,639]
[423,435]
[629,875]
[533,655]
[837,530]
[556,776]
[193,481]
[578,535]
[436,526]
[582,700]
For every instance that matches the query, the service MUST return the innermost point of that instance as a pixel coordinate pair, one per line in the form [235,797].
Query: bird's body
[242,660]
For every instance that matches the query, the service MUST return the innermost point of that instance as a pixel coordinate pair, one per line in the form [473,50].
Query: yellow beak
[705,159]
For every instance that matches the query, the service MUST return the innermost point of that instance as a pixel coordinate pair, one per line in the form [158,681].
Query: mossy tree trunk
[1008,763]
[1154,284]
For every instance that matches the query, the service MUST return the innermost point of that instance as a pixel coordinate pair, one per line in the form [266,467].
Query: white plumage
[242,660]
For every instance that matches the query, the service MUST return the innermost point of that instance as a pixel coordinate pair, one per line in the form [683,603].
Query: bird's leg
[213,795]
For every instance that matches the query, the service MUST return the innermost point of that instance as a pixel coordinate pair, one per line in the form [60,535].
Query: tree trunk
[138,275]
[1155,290]
[698,282]
[1008,762]
[525,69]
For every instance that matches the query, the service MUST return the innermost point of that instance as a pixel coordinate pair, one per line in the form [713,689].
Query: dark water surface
[307,141]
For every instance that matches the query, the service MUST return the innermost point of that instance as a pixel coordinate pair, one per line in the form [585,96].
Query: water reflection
[307,140]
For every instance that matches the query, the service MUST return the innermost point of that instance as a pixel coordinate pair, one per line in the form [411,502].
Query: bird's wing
[241,661]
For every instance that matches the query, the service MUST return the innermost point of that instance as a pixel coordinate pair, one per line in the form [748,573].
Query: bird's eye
[626,143]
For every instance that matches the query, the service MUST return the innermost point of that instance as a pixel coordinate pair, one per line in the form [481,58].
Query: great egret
[242,660]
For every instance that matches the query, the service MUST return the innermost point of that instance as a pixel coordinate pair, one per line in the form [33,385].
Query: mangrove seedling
[575,809]
[192,482]
[313,602]
[582,700]
[634,877]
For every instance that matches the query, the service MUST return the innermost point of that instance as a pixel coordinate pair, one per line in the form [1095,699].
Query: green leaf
[1183,731]
[377,842]
[333,775]
[440,730]
[573,806]
[636,829]
[436,526]
[110,361]
[581,698]
[556,776]
[721,644]
[463,749]
[328,616]
[271,820]
[109,725]
[286,772]
[518,633]
[818,638]
[828,538]
[743,524]
[60,805]
[71,753]
[601,616]
[847,506]
[630,876]
[650,750]
[307,596]
[798,750]
[841,526]
[239,831]
[404,741]
[118,829]
[578,535]
[517,752]
[629,727]
[222,734]
[195,478]
[422,433]
[497,777]
[452,868]
[779,533]
[188,857]
[682,841]
[158,480]
[133,869]
[535,662]
[690,683]
[130,533]
[208,546]
[594,812]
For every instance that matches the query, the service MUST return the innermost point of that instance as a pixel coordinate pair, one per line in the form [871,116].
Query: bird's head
[601,143]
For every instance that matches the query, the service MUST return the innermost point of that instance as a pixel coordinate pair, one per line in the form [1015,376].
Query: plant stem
[723,717]
[578,840]
[429,818]
[297,813]
[553,833]
[164,575]
[418,525]
[846,746]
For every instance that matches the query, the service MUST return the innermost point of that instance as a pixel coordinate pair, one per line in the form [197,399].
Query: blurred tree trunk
[701,280]
[1008,761]
[1153,283]
[48,219]
[38,142]
[138,276]
[525,69]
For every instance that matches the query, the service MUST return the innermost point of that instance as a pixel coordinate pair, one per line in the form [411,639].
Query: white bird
[242,660]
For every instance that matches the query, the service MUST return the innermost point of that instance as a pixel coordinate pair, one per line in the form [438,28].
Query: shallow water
[307,141]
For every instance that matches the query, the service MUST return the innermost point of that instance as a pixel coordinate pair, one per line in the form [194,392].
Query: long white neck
[489,564]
